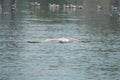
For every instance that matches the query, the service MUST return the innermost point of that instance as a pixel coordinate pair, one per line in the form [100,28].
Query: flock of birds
[114,10]
[55,7]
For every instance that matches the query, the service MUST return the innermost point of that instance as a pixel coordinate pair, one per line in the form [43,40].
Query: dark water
[96,60]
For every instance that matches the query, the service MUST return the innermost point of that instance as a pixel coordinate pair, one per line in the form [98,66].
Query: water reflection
[1,6]
[97,60]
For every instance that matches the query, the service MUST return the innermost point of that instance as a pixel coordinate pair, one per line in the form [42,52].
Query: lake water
[95,60]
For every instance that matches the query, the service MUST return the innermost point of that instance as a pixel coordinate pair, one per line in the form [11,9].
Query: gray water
[96,60]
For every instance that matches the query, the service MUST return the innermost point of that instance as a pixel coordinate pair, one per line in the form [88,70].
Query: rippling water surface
[96,60]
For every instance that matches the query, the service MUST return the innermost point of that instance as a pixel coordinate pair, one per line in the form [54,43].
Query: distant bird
[34,4]
[99,7]
[72,6]
[13,7]
[69,6]
[54,7]
[114,8]
[80,7]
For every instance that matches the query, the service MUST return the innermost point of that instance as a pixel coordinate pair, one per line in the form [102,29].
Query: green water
[96,60]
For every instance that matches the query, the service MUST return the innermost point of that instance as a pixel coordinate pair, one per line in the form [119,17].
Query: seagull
[60,40]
